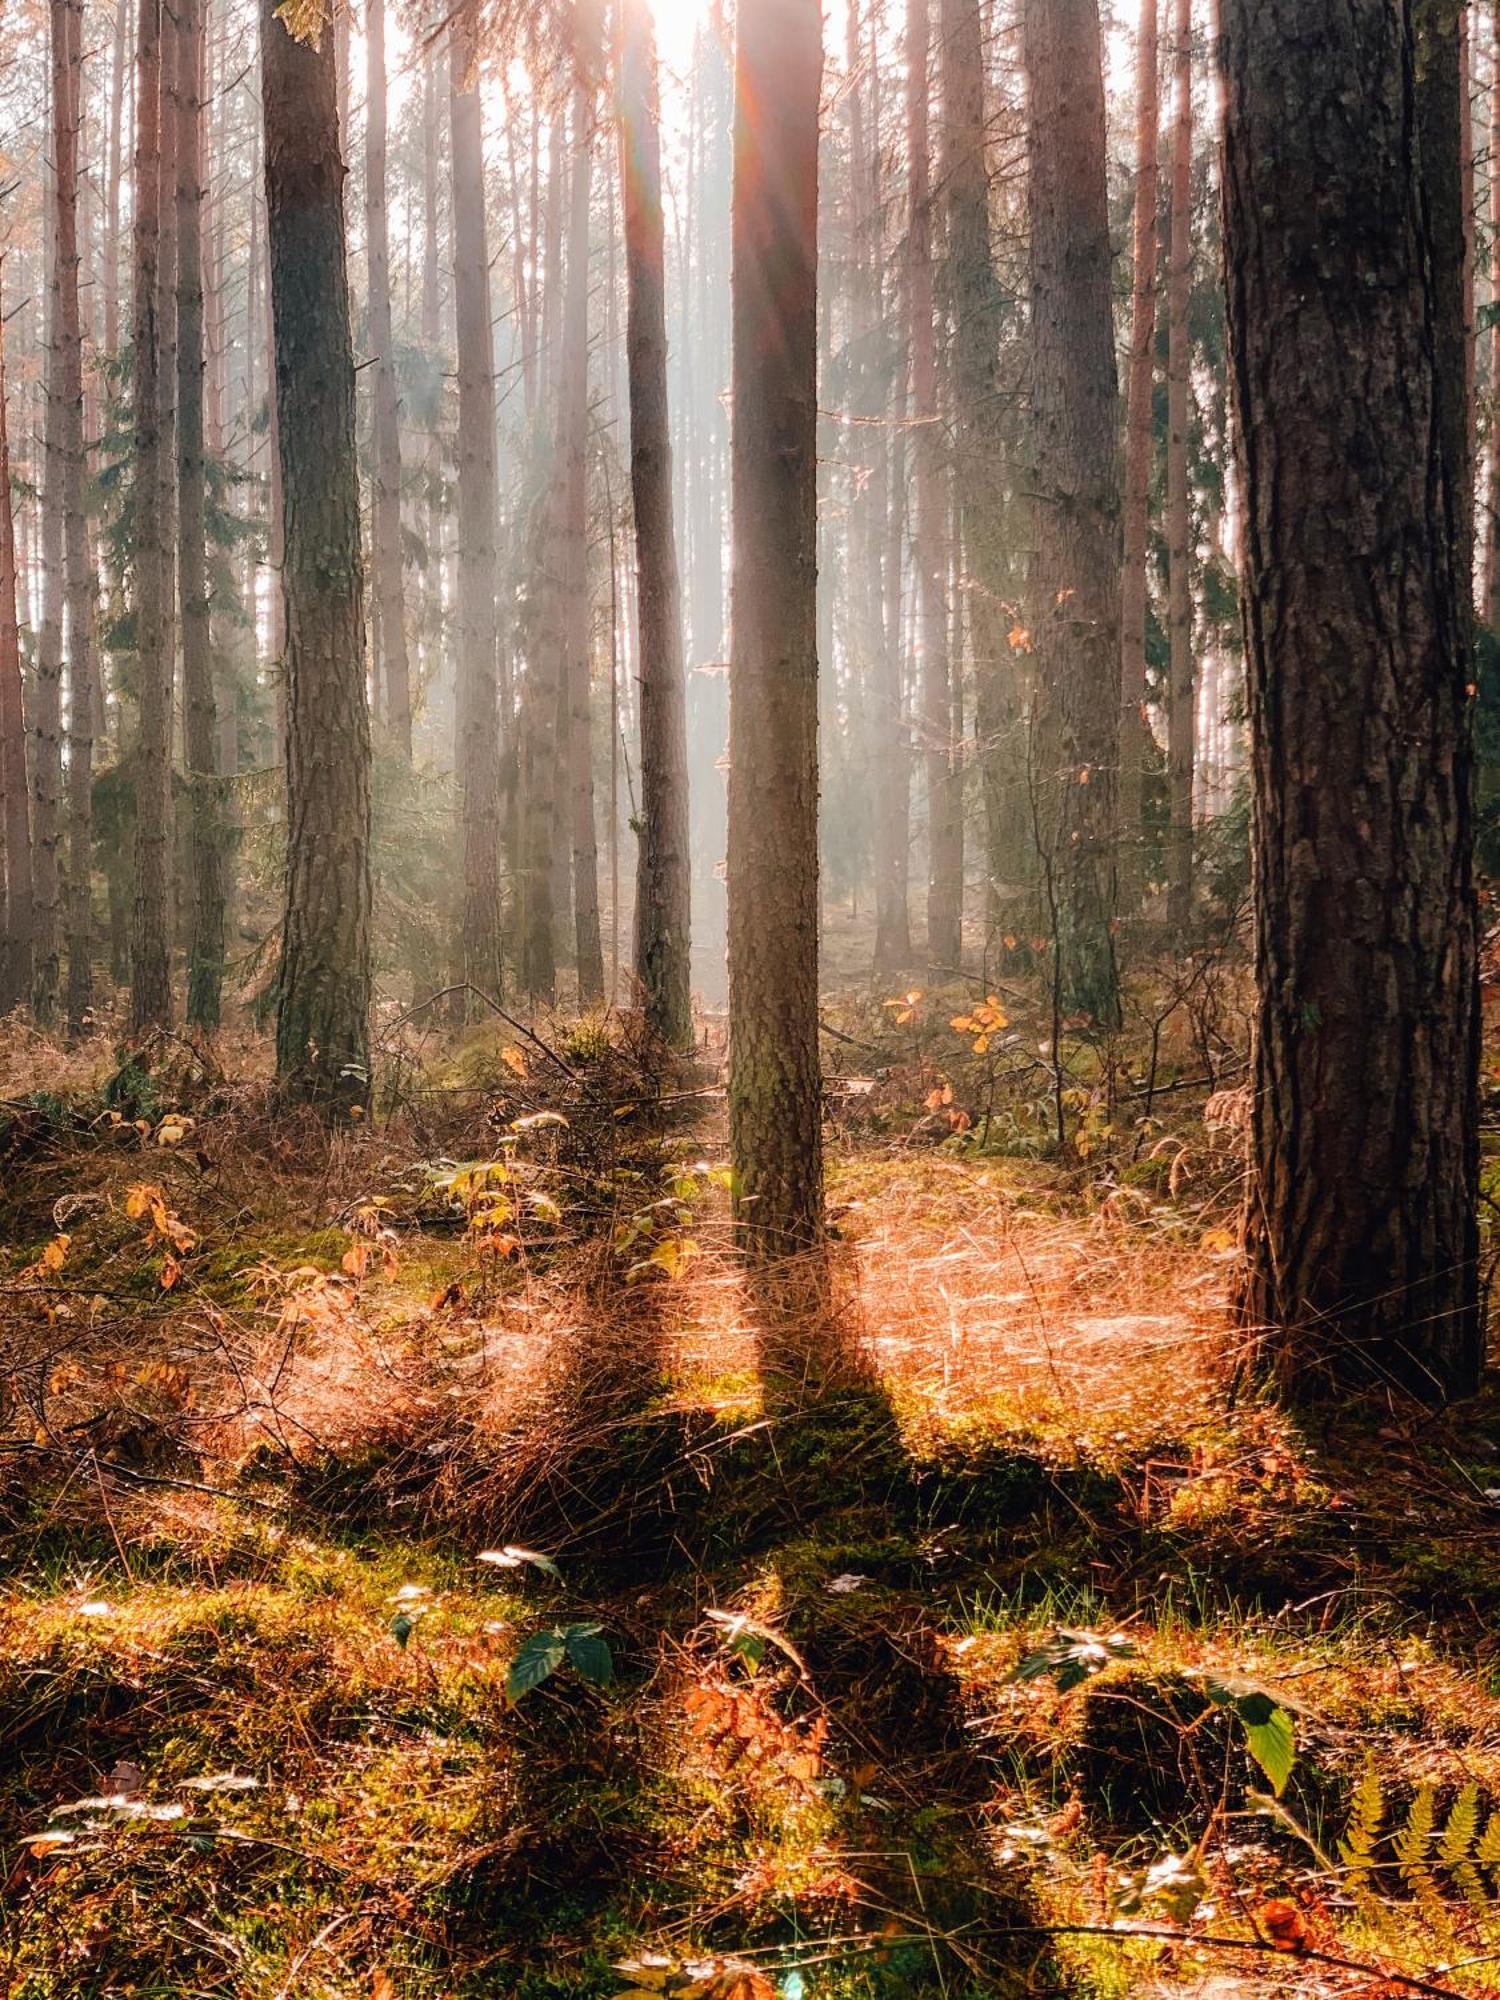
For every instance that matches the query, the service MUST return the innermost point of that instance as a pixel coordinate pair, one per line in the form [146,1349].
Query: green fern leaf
[1367,1812]
[1462,1825]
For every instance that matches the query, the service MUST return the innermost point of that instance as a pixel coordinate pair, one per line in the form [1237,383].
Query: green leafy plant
[582,1647]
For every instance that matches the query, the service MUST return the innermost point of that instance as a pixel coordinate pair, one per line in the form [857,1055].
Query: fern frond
[1457,1843]
[1366,1816]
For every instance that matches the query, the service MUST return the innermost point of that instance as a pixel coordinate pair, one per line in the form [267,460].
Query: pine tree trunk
[1361,1231]
[385,503]
[16,905]
[112,182]
[67,99]
[576,620]
[941,753]
[322,1023]
[775,1091]
[981,453]
[150,967]
[1135,733]
[1075,581]
[200,722]
[1492,472]
[477,700]
[1182,707]
[663,889]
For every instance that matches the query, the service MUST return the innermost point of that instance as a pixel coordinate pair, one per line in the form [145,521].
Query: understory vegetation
[434,1565]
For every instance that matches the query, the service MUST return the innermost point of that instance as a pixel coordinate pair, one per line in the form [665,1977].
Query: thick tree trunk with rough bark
[1182,706]
[775,1090]
[1135,734]
[1075,581]
[663,889]
[15,906]
[477,709]
[150,965]
[322,1022]
[1361,1234]
[385,500]
[200,720]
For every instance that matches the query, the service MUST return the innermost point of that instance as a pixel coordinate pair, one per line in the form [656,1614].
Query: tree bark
[663,892]
[150,966]
[1075,582]
[980,471]
[576,621]
[385,500]
[200,721]
[16,931]
[67,101]
[1361,1233]
[322,1023]
[1182,707]
[477,710]
[775,1094]
[1135,732]
[944,771]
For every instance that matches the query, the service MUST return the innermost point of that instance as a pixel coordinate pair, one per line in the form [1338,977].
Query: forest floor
[430,1566]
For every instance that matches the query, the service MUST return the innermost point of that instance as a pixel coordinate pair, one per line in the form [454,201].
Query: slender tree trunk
[45,713]
[112,181]
[577,622]
[1492,478]
[16,930]
[1182,707]
[1361,1228]
[982,451]
[150,967]
[941,753]
[477,703]
[1442,120]
[775,1089]
[1135,734]
[385,529]
[200,734]
[322,1024]
[1076,567]
[663,889]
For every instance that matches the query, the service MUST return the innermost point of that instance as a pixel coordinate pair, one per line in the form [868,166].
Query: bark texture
[1182,707]
[775,1095]
[477,709]
[200,720]
[322,1023]
[663,890]
[15,932]
[150,965]
[1075,583]
[1361,1232]
[385,501]
[1135,734]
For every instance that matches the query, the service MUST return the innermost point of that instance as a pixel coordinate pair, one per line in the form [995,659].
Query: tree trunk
[1076,567]
[112,183]
[1442,122]
[941,753]
[1361,1232]
[477,699]
[663,890]
[322,1024]
[1182,713]
[1135,733]
[67,100]
[576,621]
[982,451]
[15,931]
[150,965]
[385,501]
[1492,475]
[200,730]
[775,1089]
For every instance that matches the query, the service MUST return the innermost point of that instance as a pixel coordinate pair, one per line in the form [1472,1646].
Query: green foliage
[582,1646]
[1070,1658]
